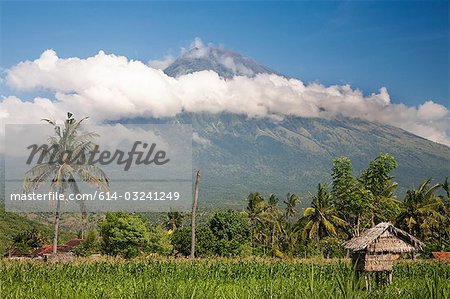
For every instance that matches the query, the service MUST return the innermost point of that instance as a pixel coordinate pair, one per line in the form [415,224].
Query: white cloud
[430,111]
[162,64]
[200,140]
[200,49]
[110,87]
[237,68]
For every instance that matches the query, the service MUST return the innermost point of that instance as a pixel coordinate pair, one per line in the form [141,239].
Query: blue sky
[401,45]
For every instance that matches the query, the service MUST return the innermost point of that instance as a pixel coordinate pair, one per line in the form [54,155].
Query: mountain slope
[239,155]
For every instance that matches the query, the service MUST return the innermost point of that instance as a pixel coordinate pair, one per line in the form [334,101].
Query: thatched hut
[376,249]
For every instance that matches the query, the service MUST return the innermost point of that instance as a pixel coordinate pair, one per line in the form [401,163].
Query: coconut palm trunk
[57,216]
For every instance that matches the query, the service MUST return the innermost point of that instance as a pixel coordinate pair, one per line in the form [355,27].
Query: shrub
[232,231]
[123,234]
[158,241]
[90,245]
[230,225]
[205,245]
[331,247]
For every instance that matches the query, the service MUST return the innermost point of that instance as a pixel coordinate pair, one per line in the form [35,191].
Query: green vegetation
[12,225]
[227,233]
[91,244]
[128,235]
[29,240]
[214,278]
[269,227]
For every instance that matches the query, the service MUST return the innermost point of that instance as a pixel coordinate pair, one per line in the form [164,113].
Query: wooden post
[194,209]
[390,277]
[367,276]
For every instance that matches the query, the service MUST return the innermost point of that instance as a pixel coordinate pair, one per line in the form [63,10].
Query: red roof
[48,249]
[442,256]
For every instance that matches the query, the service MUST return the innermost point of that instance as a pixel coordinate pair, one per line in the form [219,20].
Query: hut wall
[373,262]
[388,242]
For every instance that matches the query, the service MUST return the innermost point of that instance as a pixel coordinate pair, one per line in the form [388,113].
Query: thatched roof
[369,236]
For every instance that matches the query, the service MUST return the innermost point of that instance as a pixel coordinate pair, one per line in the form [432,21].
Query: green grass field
[214,278]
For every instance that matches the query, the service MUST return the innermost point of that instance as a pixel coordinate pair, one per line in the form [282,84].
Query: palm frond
[36,176]
[93,175]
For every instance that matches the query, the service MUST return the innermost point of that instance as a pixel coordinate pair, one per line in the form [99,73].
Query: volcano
[224,62]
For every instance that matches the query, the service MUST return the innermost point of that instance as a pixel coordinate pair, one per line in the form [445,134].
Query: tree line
[268,225]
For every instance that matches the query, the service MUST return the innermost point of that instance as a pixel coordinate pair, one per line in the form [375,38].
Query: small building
[441,256]
[47,250]
[63,251]
[376,249]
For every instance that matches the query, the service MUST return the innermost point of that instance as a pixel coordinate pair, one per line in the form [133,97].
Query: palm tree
[256,207]
[291,202]
[63,165]
[174,220]
[420,209]
[273,217]
[321,217]
[289,237]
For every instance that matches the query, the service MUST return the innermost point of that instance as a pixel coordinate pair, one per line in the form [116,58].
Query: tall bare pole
[194,209]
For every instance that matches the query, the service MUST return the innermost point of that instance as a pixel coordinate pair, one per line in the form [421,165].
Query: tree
[174,220]
[62,165]
[273,218]
[90,245]
[420,208]
[378,180]
[349,196]
[288,237]
[206,242]
[231,230]
[29,240]
[230,225]
[256,207]
[321,217]
[291,202]
[159,241]
[123,234]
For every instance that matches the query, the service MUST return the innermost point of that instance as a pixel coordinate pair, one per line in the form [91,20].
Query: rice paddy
[214,278]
